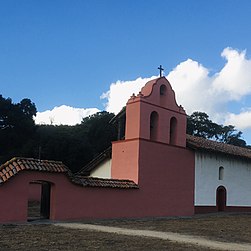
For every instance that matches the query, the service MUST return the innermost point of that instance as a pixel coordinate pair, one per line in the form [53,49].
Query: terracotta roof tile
[108,183]
[214,146]
[15,165]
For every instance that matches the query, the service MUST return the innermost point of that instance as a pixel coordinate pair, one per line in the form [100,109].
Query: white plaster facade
[103,170]
[236,179]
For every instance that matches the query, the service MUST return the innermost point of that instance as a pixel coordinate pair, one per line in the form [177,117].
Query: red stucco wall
[167,174]
[164,190]
[125,160]
[34,191]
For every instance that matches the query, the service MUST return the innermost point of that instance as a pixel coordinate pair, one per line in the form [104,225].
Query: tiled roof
[98,182]
[214,146]
[93,163]
[16,165]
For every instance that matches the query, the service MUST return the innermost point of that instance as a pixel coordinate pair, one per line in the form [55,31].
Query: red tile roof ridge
[88,181]
[99,178]
[200,143]
[17,164]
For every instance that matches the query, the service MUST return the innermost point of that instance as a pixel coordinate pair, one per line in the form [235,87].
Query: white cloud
[64,115]
[121,91]
[235,78]
[197,90]
[242,120]
[191,84]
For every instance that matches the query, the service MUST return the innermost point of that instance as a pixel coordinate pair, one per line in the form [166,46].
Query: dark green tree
[199,124]
[76,145]
[17,127]
[100,132]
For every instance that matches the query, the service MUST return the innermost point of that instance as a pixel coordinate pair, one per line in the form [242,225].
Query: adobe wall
[166,188]
[34,192]
[236,180]
[165,192]
[16,192]
[167,175]
[125,160]
[13,196]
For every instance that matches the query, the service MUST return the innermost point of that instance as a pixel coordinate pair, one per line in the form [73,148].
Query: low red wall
[166,185]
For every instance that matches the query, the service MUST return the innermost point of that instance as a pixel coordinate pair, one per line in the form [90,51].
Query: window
[162,90]
[154,120]
[173,130]
[221,173]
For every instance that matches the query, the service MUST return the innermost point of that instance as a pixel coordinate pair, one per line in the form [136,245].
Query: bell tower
[152,117]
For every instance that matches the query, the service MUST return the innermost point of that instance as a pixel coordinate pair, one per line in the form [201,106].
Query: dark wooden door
[45,200]
[221,198]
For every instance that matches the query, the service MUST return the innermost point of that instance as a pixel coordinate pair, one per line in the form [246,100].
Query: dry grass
[48,237]
[223,227]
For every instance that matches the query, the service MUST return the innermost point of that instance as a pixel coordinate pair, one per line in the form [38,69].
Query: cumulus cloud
[235,77]
[191,83]
[195,87]
[64,115]
[120,92]
[198,90]
[242,120]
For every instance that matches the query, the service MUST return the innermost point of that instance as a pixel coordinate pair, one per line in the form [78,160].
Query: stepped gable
[16,165]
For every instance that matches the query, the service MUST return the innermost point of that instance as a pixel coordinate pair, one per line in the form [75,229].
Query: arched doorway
[221,198]
[39,200]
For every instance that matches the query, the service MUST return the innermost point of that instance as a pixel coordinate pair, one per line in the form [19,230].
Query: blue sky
[64,52]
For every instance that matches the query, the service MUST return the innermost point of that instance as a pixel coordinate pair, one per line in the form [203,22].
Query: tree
[100,132]
[199,124]
[17,127]
[231,136]
[27,108]
[5,108]
[76,145]
[18,115]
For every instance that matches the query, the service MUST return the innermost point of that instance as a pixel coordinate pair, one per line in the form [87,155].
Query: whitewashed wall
[236,180]
[103,170]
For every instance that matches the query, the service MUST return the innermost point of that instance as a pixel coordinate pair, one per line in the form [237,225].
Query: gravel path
[175,237]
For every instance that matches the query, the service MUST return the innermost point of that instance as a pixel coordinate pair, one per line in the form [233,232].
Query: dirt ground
[41,236]
[48,237]
[221,226]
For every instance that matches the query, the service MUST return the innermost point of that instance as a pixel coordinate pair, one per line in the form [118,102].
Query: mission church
[154,169]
